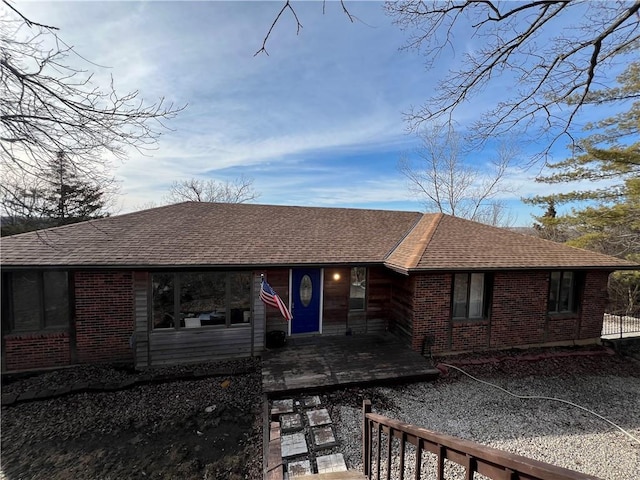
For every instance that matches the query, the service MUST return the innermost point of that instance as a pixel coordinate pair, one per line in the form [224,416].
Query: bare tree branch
[48,106]
[288,6]
[517,38]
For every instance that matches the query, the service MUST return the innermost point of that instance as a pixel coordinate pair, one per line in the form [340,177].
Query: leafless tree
[239,190]
[554,65]
[449,184]
[555,53]
[48,106]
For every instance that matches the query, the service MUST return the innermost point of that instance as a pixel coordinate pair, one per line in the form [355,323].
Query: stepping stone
[323,437]
[278,407]
[331,463]
[318,417]
[290,422]
[311,401]
[299,468]
[293,444]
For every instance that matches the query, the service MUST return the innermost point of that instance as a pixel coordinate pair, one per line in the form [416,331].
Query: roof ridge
[426,238]
[422,242]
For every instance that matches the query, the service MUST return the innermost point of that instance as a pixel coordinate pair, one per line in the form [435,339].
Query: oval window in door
[306,290]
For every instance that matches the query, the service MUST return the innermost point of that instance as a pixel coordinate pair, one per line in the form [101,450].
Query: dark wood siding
[337,319]
[335,307]
[379,283]
[141,322]
[401,314]
[279,281]
[168,347]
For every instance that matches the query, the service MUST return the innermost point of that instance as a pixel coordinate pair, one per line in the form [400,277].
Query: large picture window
[358,288]
[200,299]
[34,301]
[471,294]
[563,292]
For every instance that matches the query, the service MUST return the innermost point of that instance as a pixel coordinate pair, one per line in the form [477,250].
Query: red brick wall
[519,308]
[595,301]
[518,314]
[104,316]
[469,335]
[36,350]
[432,310]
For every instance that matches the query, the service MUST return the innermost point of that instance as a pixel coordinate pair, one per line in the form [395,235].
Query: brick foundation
[37,350]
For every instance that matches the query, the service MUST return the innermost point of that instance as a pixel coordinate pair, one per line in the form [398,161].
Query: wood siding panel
[141,321]
[182,346]
[169,347]
[279,281]
[335,306]
[401,314]
[258,317]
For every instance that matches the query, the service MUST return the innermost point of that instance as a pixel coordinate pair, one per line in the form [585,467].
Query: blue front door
[305,292]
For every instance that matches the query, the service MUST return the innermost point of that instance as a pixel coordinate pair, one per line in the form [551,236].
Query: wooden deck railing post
[366,438]
[472,456]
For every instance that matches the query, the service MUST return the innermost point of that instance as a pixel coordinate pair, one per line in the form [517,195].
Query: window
[471,293]
[358,288]
[200,299]
[34,301]
[563,292]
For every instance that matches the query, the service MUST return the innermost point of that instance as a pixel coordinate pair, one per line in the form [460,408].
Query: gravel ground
[209,428]
[166,430]
[541,429]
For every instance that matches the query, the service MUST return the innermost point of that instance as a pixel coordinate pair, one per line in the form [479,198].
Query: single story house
[181,283]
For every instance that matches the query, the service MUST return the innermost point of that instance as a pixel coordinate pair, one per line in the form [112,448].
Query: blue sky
[316,122]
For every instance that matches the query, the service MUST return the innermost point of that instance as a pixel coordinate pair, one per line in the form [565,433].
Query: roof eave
[519,267]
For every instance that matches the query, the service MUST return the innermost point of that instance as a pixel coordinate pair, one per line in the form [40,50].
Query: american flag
[271,298]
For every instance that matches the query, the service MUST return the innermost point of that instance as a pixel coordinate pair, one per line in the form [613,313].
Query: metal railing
[620,325]
[385,450]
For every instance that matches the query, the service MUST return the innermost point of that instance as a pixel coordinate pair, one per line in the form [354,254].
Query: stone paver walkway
[307,440]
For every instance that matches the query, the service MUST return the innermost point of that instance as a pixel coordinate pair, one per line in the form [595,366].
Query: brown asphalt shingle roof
[235,235]
[450,243]
[193,233]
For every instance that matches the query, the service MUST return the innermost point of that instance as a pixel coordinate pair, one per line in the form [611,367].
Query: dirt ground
[194,429]
[204,429]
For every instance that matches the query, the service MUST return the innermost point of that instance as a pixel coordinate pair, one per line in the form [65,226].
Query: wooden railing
[471,456]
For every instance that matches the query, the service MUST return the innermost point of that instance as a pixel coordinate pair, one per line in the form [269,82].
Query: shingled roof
[216,234]
[443,242]
[247,235]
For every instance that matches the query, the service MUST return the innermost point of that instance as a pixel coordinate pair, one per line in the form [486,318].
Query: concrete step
[348,475]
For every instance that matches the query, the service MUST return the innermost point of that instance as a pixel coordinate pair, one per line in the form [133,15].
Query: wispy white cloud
[317,122]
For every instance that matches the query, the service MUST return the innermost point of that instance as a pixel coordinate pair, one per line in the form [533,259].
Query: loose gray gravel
[545,430]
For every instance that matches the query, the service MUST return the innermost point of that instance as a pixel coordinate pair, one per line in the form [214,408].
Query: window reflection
[205,299]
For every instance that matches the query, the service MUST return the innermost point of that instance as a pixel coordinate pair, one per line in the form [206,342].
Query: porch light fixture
[336,276]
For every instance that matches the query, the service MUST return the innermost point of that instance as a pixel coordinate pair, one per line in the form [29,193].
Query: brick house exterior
[141,288]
